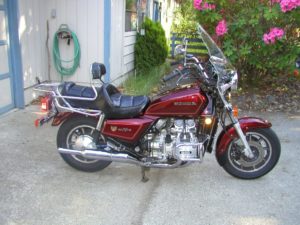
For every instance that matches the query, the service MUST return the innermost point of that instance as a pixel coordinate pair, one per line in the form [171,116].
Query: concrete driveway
[37,187]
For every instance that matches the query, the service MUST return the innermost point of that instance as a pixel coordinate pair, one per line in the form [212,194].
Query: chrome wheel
[265,147]
[261,149]
[80,138]
[79,133]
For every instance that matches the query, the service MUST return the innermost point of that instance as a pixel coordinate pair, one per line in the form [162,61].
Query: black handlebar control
[170,76]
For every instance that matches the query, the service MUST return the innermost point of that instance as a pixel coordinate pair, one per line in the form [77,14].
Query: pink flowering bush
[289,5]
[202,5]
[274,34]
[260,37]
[221,28]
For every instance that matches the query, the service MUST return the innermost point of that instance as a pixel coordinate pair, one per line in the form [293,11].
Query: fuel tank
[189,102]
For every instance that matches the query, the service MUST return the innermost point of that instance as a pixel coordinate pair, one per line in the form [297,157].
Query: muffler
[101,155]
[117,157]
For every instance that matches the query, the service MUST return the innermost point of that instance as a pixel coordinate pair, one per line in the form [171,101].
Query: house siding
[122,46]
[85,18]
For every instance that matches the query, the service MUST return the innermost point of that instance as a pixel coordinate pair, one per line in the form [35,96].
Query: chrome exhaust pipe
[116,157]
[101,155]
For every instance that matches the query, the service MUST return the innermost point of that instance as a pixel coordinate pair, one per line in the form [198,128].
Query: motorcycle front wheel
[78,133]
[265,146]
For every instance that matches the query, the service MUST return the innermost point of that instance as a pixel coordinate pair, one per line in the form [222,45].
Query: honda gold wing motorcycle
[100,125]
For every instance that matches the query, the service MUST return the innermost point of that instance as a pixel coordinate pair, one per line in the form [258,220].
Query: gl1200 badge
[115,128]
[184,103]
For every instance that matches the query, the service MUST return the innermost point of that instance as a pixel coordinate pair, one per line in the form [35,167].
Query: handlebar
[170,76]
[226,82]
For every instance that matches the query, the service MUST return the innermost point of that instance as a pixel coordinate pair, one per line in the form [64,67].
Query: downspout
[17,71]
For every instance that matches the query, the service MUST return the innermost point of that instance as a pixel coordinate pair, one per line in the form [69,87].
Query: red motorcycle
[101,125]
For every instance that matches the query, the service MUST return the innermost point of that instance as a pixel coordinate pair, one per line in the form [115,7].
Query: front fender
[227,135]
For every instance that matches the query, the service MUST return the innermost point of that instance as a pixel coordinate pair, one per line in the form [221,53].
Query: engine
[174,138]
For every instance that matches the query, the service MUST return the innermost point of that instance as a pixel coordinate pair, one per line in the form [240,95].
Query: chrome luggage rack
[53,90]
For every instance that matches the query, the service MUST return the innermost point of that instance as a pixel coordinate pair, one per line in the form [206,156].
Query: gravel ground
[37,187]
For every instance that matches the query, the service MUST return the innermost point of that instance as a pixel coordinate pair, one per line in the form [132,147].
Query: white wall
[86,19]
[32,35]
[83,17]
[116,40]
[122,44]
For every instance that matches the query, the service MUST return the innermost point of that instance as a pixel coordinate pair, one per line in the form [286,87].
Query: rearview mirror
[218,60]
[179,49]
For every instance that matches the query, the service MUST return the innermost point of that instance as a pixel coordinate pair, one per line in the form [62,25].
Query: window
[156,11]
[131,15]
[142,10]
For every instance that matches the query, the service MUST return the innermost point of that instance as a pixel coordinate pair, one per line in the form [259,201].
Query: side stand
[144,176]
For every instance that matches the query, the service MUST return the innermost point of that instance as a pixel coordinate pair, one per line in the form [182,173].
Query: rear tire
[77,133]
[266,148]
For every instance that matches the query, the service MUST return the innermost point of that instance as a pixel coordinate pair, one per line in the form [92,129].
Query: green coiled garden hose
[58,61]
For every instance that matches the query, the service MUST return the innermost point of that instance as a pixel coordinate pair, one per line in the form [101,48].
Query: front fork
[247,150]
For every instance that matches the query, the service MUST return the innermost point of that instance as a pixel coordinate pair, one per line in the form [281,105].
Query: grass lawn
[145,83]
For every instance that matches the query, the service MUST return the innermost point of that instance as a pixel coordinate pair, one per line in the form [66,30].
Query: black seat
[109,100]
[71,89]
[115,105]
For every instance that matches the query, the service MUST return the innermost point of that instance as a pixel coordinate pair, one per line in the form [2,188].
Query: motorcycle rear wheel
[265,146]
[77,133]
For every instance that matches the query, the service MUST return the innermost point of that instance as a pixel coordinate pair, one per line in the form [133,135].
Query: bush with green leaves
[151,49]
[260,37]
[184,20]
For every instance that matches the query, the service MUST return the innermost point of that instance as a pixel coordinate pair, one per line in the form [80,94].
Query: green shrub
[151,49]
[184,21]
[247,23]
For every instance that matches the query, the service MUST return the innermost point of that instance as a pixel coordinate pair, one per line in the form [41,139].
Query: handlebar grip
[171,75]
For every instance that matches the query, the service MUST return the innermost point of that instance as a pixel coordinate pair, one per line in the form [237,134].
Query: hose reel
[64,33]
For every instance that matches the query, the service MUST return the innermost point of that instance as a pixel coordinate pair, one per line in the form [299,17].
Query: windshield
[217,58]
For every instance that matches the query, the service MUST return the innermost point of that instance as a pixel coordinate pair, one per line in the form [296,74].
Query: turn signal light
[235,111]
[208,121]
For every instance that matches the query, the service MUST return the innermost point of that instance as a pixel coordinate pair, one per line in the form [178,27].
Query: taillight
[46,103]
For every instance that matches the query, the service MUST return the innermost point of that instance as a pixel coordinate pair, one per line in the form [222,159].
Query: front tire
[266,148]
[78,133]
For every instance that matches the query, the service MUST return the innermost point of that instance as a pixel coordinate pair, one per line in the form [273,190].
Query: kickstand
[144,177]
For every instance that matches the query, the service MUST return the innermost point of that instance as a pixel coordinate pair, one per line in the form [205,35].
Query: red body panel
[61,117]
[183,103]
[246,123]
[129,130]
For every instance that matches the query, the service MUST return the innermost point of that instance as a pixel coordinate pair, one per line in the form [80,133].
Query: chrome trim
[100,122]
[56,93]
[117,157]
[53,89]
[87,112]
[247,150]
[199,149]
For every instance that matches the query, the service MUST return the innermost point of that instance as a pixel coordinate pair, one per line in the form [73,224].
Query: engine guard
[227,135]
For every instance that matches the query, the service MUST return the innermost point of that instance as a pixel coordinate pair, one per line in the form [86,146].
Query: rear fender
[62,116]
[227,135]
